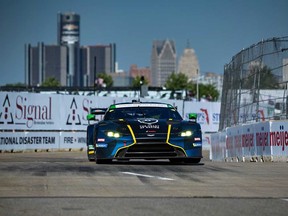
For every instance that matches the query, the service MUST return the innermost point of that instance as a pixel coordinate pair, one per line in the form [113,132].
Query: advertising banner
[64,118]
[28,111]
[230,147]
[279,138]
[72,140]
[262,139]
[29,140]
[248,140]
[208,114]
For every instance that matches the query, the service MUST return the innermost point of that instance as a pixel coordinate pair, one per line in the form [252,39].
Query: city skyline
[217,30]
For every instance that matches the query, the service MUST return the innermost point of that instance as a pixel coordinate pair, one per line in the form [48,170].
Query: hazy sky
[216,29]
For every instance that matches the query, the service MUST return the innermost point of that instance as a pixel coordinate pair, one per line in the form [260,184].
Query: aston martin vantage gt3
[142,130]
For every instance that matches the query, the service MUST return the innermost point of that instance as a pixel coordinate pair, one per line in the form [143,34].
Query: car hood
[149,127]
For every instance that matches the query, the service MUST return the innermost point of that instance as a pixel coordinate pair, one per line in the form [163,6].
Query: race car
[143,130]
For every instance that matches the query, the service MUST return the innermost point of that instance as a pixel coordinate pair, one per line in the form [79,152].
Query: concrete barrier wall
[31,121]
[263,141]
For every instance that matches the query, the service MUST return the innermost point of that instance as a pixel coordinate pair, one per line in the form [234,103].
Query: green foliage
[267,79]
[137,82]
[179,81]
[176,81]
[51,82]
[108,80]
[204,91]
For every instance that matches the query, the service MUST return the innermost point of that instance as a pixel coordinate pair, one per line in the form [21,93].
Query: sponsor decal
[215,118]
[248,140]
[73,118]
[101,145]
[6,116]
[150,135]
[27,140]
[206,115]
[100,140]
[26,113]
[149,126]
[148,121]
[279,138]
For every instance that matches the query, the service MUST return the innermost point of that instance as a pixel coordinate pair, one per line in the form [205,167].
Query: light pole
[197,84]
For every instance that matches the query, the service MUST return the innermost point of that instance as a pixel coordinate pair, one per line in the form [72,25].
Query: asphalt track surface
[65,183]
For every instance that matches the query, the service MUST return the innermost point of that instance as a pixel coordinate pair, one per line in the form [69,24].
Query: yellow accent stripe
[91,152]
[132,133]
[167,140]
[134,140]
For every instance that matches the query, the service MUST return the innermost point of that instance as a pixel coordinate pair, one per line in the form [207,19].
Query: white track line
[148,176]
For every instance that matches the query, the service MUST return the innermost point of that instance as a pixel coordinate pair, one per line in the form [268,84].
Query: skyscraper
[70,64]
[97,59]
[188,63]
[163,61]
[45,61]
[69,35]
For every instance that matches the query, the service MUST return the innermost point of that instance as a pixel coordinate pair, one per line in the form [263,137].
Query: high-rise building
[188,63]
[69,63]
[69,35]
[163,61]
[97,59]
[45,61]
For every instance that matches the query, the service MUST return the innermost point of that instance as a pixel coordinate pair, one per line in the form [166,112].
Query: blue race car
[142,130]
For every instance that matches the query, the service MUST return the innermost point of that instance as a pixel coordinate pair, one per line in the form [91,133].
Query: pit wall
[263,141]
[52,122]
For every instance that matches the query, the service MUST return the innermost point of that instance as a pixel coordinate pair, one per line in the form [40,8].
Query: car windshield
[142,112]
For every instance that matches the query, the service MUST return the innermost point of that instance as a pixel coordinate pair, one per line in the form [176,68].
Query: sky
[216,29]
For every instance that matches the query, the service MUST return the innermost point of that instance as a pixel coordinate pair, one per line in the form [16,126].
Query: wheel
[103,161]
[90,157]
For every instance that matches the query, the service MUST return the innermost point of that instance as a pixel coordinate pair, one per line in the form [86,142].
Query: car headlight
[113,134]
[186,133]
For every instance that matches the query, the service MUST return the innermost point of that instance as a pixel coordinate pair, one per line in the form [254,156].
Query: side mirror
[192,117]
[90,117]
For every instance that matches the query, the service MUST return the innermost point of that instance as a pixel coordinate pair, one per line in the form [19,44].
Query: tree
[137,81]
[180,82]
[51,82]
[107,79]
[207,91]
[267,79]
[176,81]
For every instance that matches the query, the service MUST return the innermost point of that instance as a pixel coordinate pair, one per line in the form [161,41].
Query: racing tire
[91,159]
